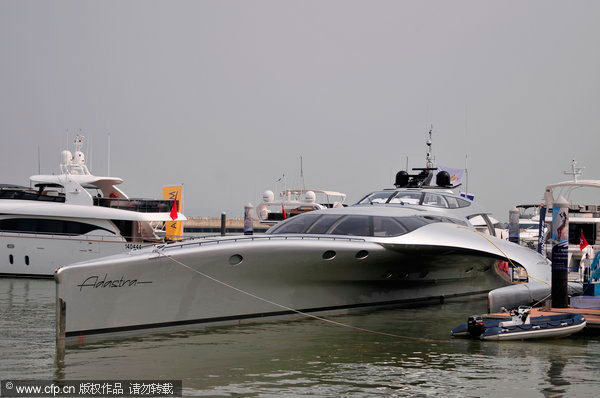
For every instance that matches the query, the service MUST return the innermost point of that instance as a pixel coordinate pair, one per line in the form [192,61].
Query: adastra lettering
[95,282]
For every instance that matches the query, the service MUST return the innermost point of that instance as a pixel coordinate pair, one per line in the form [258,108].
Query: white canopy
[50,209]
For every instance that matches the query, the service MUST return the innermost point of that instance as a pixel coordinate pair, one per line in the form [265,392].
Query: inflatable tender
[522,326]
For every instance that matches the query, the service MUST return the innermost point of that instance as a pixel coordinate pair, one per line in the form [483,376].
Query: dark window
[353,225]
[47,226]
[412,223]
[387,226]
[26,260]
[11,259]
[357,225]
[296,225]
[376,197]
[589,231]
[323,224]
[125,228]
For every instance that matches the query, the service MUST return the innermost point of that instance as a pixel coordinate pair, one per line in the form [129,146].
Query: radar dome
[268,196]
[443,179]
[401,179]
[79,157]
[310,196]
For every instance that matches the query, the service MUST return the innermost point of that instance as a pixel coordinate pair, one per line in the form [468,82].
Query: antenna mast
[429,159]
[466,141]
[302,174]
[108,167]
[575,171]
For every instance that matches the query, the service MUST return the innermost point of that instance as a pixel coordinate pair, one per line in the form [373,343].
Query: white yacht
[583,218]
[296,201]
[416,245]
[71,217]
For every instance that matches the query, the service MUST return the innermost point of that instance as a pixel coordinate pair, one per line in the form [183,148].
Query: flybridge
[137,205]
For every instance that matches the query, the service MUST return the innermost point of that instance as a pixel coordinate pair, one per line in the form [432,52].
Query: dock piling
[223,223]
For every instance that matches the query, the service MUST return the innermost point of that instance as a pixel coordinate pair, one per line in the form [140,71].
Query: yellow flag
[174,229]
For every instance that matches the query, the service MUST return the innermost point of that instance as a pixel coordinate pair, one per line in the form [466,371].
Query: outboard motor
[443,179]
[401,179]
[475,325]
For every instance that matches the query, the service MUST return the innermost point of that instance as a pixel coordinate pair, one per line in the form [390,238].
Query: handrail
[205,240]
[91,237]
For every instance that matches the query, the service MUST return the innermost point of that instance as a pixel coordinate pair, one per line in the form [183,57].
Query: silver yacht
[320,262]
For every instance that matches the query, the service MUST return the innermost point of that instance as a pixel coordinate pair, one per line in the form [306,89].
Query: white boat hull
[30,255]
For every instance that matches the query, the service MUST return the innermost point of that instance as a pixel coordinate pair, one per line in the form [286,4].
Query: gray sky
[225,96]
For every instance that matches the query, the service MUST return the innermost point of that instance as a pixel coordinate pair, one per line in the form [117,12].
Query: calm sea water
[305,357]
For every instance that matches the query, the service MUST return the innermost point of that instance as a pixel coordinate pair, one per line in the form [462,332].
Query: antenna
[39,162]
[89,152]
[575,171]
[466,155]
[466,175]
[429,158]
[302,174]
[407,163]
[108,157]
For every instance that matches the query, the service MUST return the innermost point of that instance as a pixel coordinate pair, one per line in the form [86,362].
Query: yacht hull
[38,256]
[235,280]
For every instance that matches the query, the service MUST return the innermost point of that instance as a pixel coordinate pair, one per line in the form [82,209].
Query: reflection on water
[305,357]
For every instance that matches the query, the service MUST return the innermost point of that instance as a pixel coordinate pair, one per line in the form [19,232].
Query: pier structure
[213,224]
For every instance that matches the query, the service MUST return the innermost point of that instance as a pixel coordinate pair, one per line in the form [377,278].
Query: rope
[509,260]
[297,311]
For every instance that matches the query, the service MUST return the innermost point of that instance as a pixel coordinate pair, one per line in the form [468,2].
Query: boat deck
[592,316]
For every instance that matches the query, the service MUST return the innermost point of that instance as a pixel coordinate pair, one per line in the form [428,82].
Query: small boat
[522,326]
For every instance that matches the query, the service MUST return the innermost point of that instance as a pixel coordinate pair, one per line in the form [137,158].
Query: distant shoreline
[213,224]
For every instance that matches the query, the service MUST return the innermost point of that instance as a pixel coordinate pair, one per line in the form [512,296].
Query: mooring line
[301,312]
[508,258]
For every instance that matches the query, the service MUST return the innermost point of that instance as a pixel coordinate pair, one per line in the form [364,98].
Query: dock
[592,316]
[213,225]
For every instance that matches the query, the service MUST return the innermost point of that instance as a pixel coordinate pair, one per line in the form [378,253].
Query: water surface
[305,357]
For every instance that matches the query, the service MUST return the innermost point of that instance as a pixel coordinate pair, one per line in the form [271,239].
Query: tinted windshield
[356,225]
[406,198]
[376,197]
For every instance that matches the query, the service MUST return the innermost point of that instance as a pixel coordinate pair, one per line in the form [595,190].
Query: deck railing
[217,239]
[138,205]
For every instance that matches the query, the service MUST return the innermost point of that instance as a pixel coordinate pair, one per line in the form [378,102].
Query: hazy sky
[225,96]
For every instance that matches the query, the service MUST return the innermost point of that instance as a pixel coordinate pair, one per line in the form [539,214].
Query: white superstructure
[71,217]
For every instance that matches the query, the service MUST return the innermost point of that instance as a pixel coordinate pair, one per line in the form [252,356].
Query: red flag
[283,212]
[582,242]
[174,209]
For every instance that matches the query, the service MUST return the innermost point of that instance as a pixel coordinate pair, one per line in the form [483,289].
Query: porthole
[362,254]
[11,259]
[26,260]
[235,259]
[329,255]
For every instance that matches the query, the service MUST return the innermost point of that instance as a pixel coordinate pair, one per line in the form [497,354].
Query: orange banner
[174,229]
